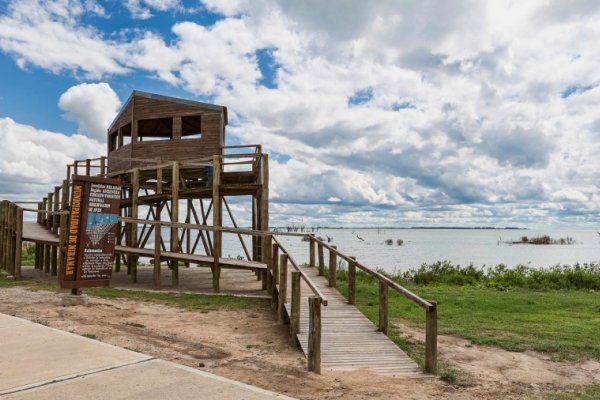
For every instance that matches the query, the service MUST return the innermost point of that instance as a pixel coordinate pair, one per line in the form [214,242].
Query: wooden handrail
[403,291]
[303,274]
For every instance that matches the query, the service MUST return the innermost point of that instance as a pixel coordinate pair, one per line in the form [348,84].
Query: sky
[391,113]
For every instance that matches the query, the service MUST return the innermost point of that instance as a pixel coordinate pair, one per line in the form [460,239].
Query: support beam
[175,218]
[217,221]
[133,228]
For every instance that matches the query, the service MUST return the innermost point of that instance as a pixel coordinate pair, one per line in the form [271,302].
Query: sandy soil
[252,348]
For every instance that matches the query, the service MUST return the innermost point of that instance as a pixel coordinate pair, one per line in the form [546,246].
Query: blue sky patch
[402,106]
[362,96]
[575,89]
[268,68]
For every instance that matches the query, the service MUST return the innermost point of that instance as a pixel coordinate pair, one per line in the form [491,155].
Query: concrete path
[37,362]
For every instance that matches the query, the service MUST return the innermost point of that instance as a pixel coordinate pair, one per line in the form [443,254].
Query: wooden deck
[349,341]
[35,232]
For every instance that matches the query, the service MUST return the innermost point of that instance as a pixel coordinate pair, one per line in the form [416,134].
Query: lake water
[459,246]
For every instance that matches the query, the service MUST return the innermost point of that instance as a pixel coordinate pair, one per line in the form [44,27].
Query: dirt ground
[250,347]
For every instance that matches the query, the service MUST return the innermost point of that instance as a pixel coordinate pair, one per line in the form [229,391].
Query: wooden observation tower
[171,159]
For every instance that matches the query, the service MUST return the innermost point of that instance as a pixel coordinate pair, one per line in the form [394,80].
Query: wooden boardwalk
[349,341]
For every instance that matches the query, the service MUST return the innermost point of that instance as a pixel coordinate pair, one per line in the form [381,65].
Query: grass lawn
[591,392]
[562,323]
[181,300]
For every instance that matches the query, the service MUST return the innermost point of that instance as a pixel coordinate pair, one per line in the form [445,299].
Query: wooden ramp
[37,233]
[349,341]
[34,232]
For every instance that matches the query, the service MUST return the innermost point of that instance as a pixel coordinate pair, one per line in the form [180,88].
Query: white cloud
[33,161]
[471,110]
[93,106]
[46,34]
[142,9]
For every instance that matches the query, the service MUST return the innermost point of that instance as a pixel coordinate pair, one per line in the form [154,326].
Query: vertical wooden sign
[91,232]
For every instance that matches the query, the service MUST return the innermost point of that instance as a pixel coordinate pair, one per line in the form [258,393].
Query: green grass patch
[183,300]
[591,392]
[204,303]
[560,322]
[28,254]
[29,284]
[89,335]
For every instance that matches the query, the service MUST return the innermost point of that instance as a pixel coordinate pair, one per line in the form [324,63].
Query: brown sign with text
[91,232]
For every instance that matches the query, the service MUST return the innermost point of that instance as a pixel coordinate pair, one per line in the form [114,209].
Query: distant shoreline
[490,228]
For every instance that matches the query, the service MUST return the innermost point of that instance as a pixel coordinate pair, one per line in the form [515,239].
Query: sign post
[91,233]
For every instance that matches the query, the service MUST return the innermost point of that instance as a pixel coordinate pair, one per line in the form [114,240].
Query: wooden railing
[430,307]
[280,273]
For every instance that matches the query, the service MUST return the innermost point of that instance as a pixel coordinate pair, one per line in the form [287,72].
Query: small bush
[576,277]
[448,375]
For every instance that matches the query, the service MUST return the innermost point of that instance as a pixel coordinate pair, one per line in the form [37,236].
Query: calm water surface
[459,246]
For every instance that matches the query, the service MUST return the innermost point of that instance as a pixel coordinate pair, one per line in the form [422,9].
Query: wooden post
[275,280]
[332,268]
[88,167]
[11,237]
[47,258]
[157,256]
[55,208]
[264,205]
[2,233]
[217,222]
[53,261]
[49,208]
[18,242]
[135,183]
[5,235]
[314,334]
[383,307]
[38,247]
[321,260]
[275,257]
[118,243]
[352,282]
[188,239]
[269,261]
[175,218]
[295,307]
[311,251]
[62,241]
[103,165]
[283,261]
[44,215]
[431,338]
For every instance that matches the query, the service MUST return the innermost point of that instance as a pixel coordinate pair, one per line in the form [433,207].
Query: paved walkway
[38,362]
